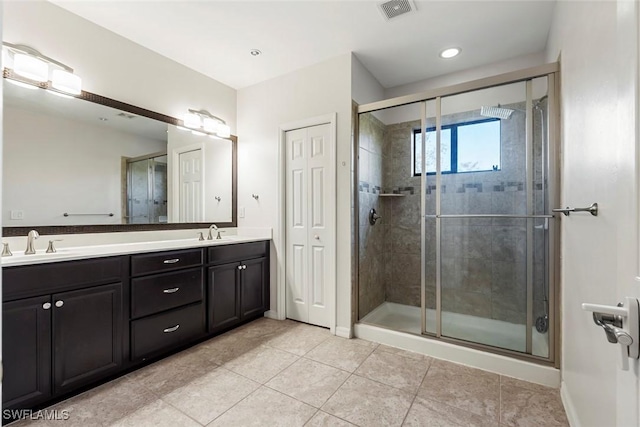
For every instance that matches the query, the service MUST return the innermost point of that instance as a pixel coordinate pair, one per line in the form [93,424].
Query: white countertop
[122,248]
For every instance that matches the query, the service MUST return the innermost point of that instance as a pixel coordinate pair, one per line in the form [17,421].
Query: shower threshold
[496,333]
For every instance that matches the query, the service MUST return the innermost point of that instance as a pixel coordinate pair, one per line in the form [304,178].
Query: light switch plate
[15,214]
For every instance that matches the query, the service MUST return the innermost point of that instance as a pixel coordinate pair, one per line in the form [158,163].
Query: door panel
[253,289]
[308,203]
[87,335]
[26,352]
[224,296]
[191,187]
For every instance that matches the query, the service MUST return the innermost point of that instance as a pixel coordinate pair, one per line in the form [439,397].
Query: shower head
[496,112]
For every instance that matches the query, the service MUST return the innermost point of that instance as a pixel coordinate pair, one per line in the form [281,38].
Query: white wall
[113,66]
[217,167]
[56,165]
[365,87]
[318,90]
[599,127]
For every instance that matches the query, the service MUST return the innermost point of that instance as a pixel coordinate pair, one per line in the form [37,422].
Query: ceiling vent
[394,8]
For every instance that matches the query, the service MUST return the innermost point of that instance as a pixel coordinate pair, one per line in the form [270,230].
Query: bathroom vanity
[69,324]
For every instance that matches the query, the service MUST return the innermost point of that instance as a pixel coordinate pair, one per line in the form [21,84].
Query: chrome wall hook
[255,196]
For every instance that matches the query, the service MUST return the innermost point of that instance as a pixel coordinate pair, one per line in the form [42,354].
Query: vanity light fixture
[28,66]
[202,122]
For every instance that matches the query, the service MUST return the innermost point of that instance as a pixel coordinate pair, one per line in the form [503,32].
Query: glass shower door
[490,218]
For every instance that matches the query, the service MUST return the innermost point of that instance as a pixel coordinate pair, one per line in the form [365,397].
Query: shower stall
[455,232]
[146,189]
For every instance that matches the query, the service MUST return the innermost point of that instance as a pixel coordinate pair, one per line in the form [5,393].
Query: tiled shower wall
[483,260]
[372,245]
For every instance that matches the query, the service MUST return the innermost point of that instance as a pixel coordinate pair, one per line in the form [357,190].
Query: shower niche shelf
[391,195]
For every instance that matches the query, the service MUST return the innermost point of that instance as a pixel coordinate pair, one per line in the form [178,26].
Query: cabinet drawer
[162,261]
[161,332]
[153,294]
[237,252]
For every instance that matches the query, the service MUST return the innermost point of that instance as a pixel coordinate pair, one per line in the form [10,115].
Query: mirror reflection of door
[147,189]
[190,187]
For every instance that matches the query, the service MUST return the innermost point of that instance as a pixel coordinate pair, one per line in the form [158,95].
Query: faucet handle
[51,249]
[5,250]
[218,237]
[200,236]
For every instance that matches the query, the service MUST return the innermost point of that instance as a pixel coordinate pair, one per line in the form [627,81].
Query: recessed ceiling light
[450,52]
[255,52]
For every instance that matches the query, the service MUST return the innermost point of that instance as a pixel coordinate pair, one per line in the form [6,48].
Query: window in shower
[470,146]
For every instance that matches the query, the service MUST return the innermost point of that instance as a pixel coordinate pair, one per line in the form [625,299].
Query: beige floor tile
[510,381]
[342,353]
[394,369]
[209,396]
[465,388]
[261,364]
[264,329]
[524,407]
[156,414]
[405,353]
[322,419]
[368,403]
[266,407]
[429,413]
[308,381]
[174,372]
[104,405]
[227,347]
[300,339]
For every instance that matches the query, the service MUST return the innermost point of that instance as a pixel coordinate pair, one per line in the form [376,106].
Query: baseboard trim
[343,332]
[272,314]
[569,408]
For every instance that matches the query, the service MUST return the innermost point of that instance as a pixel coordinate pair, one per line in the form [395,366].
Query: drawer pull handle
[171,261]
[171,291]
[171,329]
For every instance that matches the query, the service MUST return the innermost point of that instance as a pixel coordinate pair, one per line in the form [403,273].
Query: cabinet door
[254,287]
[224,296]
[87,335]
[26,352]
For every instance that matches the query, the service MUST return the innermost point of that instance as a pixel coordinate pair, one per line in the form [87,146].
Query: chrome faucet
[31,236]
[210,237]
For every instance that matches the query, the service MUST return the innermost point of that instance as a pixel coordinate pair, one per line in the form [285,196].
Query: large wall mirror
[91,164]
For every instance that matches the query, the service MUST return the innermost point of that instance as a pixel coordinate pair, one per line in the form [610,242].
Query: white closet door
[309,263]
[190,187]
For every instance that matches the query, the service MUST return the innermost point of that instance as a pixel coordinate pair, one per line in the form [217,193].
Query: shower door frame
[552,165]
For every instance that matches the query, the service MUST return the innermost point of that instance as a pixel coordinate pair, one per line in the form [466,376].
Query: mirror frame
[112,228]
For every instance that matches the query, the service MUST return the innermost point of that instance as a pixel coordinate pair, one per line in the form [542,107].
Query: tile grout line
[236,404]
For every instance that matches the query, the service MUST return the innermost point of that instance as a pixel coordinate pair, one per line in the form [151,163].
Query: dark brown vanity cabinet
[238,290]
[60,341]
[71,324]
[167,301]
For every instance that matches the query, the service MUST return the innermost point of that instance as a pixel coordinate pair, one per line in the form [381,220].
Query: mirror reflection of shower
[146,189]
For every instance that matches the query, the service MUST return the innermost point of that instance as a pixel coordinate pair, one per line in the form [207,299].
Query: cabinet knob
[239,267]
[316,237]
[46,305]
[244,267]
[59,303]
